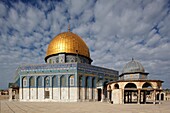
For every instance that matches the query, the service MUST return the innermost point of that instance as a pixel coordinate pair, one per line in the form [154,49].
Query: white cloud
[153,40]
[3,10]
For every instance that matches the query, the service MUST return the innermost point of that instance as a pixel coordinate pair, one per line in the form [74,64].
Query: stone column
[102,94]
[51,89]
[108,95]
[154,96]
[43,96]
[17,94]
[36,88]
[138,96]
[159,97]
[10,94]
[144,97]
[90,88]
[84,93]
[122,99]
[130,96]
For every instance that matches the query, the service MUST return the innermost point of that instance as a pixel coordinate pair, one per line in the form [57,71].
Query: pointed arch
[39,81]
[80,81]
[62,81]
[80,85]
[54,81]
[38,86]
[54,85]
[47,81]
[71,80]
[46,85]
[147,85]
[130,85]
[116,86]
[31,87]
[162,96]
[87,86]
[70,85]
[24,81]
[31,81]
[63,89]
[130,90]
[24,84]
[93,87]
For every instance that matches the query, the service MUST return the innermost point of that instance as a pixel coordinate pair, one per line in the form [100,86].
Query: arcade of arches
[135,91]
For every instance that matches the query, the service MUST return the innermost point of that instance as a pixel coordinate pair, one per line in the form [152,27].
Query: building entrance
[130,96]
[99,94]
[47,94]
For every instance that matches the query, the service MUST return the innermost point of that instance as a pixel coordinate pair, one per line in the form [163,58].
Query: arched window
[71,80]
[54,81]
[47,81]
[39,81]
[72,60]
[57,60]
[63,81]
[24,82]
[116,86]
[109,88]
[32,82]
[50,61]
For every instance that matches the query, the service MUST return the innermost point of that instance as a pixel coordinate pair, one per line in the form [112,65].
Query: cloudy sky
[114,30]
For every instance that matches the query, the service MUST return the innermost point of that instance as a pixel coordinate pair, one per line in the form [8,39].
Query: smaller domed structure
[134,86]
[133,70]
[133,67]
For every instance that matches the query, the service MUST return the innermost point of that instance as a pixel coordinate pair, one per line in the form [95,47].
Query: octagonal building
[67,76]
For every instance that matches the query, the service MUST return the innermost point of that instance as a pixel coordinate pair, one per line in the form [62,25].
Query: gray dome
[133,66]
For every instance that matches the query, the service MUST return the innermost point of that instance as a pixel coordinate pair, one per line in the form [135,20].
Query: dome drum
[68,58]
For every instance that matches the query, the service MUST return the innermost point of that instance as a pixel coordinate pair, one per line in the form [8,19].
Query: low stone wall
[4,97]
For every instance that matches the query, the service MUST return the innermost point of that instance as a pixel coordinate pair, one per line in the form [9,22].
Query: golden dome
[67,42]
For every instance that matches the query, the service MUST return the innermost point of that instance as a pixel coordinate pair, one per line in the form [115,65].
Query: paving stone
[80,107]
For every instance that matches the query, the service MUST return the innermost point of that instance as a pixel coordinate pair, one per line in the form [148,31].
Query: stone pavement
[80,107]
